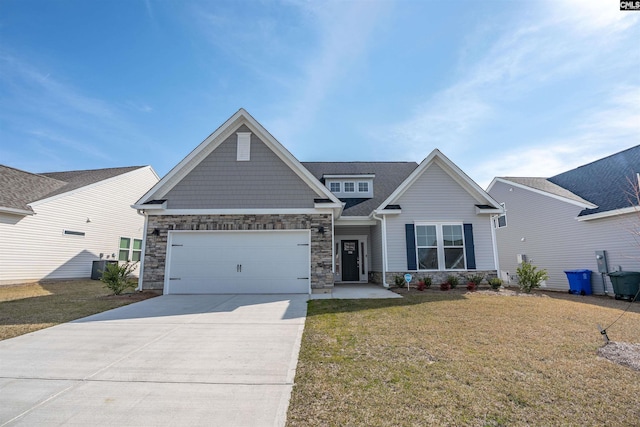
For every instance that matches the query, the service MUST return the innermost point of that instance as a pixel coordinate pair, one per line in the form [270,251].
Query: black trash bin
[98,267]
[625,284]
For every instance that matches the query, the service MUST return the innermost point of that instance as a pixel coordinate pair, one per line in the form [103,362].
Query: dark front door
[350,257]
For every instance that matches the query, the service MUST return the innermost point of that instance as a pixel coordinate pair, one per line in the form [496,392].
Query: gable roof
[607,183]
[19,188]
[604,185]
[206,147]
[388,176]
[436,157]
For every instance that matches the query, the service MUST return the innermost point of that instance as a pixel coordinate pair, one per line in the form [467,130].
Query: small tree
[529,277]
[117,277]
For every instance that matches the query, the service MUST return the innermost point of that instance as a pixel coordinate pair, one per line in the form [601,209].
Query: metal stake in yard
[603,332]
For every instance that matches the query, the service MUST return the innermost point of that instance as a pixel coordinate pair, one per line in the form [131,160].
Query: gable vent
[244,146]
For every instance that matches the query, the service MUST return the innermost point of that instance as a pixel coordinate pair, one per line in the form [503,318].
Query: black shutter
[468,246]
[410,233]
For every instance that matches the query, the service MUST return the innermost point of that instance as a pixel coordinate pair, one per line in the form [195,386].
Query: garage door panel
[239,262]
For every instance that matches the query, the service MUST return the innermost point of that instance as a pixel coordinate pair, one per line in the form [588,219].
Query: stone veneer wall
[437,277]
[321,251]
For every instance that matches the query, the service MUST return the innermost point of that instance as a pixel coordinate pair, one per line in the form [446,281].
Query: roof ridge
[39,175]
[94,170]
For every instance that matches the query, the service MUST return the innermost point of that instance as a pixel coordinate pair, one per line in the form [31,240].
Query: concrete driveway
[215,360]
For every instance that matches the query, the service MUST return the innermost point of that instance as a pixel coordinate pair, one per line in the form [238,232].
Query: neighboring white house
[559,223]
[54,225]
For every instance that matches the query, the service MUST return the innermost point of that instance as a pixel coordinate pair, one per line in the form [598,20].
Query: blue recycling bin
[579,281]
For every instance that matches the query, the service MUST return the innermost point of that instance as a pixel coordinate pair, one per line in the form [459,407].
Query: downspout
[383,224]
[494,242]
[144,249]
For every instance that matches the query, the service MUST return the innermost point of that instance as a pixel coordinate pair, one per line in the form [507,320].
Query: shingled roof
[608,182]
[18,188]
[388,176]
[543,184]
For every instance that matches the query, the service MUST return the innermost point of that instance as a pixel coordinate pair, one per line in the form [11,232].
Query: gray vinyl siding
[376,248]
[556,241]
[436,197]
[221,182]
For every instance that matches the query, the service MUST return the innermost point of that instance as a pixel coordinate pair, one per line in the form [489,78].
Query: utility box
[98,267]
[601,260]
[520,258]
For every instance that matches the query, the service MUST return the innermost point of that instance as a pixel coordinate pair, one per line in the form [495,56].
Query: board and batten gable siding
[35,248]
[436,197]
[221,182]
[556,241]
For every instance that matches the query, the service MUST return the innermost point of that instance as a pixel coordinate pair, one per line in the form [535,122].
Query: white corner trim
[623,211]
[544,193]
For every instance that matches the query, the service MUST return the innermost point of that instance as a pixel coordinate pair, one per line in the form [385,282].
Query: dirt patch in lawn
[622,353]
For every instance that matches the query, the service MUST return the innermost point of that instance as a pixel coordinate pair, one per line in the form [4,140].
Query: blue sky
[502,88]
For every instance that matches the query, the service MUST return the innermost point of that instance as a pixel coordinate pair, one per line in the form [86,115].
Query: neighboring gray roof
[608,182]
[547,186]
[19,188]
[388,176]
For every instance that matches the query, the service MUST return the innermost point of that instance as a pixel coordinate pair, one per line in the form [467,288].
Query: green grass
[27,308]
[464,359]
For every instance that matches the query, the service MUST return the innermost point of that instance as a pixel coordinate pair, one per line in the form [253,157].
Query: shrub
[399,281]
[529,277]
[445,286]
[117,277]
[495,283]
[453,281]
[471,286]
[427,282]
[476,279]
[421,285]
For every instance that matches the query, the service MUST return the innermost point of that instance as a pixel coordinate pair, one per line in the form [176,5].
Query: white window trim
[441,247]
[339,190]
[130,249]
[345,187]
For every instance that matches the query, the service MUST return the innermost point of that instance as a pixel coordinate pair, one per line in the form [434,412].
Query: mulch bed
[131,296]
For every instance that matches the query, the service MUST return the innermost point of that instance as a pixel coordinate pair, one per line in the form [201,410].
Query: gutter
[144,248]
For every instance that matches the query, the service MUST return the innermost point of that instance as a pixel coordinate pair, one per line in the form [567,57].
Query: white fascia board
[388,211]
[347,176]
[327,205]
[624,211]
[215,139]
[292,211]
[355,220]
[452,170]
[86,187]
[14,211]
[544,193]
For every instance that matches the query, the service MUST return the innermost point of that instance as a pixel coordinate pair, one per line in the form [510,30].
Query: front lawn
[456,359]
[27,308]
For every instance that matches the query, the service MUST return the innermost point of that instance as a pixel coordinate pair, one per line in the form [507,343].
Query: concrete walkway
[357,291]
[178,360]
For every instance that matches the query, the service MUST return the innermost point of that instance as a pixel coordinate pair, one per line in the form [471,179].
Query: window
[440,247]
[73,233]
[501,220]
[334,187]
[349,187]
[363,187]
[129,252]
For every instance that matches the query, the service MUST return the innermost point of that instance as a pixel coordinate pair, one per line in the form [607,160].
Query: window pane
[135,255]
[454,258]
[123,255]
[363,187]
[426,235]
[335,187]
[137,244]
[349,187]
[125,242]
[502,221]
[427,258]
[452,235]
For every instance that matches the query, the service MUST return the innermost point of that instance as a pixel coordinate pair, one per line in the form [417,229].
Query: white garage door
[214,262]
